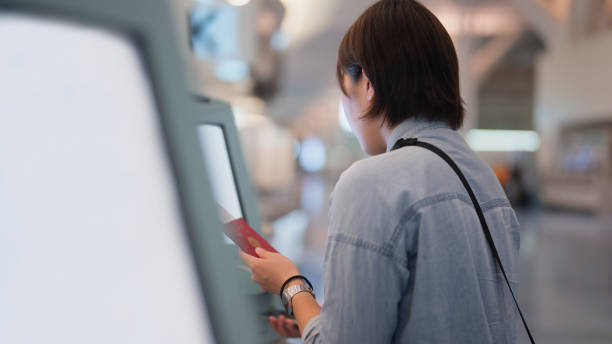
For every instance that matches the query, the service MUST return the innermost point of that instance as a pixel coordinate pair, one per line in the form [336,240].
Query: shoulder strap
[415,142]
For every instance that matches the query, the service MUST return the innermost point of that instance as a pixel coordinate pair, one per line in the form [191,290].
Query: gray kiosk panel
[107,232]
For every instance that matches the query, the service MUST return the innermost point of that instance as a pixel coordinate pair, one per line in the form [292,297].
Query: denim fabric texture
[406,259]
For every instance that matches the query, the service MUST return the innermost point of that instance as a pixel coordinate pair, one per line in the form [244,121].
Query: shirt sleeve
[363,288]
[311,331]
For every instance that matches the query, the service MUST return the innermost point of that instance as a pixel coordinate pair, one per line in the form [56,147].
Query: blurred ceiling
[484,31]
[316,27]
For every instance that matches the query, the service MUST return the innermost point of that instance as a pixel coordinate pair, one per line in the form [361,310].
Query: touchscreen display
[220,173]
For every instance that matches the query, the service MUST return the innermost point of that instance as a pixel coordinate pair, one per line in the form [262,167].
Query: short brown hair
[410,60]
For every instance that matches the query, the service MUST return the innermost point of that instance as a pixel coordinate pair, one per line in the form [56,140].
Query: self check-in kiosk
[232,191]
[109,231]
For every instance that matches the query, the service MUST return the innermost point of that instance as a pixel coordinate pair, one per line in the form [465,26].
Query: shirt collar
[412,127]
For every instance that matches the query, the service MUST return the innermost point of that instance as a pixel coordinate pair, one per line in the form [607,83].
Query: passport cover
[246,237]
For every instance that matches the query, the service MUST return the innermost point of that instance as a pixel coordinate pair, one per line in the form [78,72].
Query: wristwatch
[293,290]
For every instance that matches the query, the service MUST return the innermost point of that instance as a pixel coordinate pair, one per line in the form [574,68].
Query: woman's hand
[271,270]
[285,327]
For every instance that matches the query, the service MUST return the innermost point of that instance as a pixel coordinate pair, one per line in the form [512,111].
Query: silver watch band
[291,291]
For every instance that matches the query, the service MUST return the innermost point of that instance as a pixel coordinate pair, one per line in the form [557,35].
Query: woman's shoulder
[411,174]
[390,168]
[387,179]
[372,195]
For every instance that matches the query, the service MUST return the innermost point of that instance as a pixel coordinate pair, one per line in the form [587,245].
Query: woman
[406,257]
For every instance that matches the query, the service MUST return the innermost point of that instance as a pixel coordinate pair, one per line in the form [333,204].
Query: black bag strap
[415,142]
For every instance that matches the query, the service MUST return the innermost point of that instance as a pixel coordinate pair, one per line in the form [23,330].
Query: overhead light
[503,140]
[305,19]
[238,3]
[480,21]
[312,154]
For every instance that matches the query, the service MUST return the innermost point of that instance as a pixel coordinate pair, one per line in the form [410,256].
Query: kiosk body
[232,190]
[108,224]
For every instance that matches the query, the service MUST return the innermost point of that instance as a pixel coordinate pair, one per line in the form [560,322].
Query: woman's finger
[292,328]
[284,326]
[284,322]
[281,330]
[290,324]
[247,258]
[273,322]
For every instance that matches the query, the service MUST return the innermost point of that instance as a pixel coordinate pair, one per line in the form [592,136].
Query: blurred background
[536,76]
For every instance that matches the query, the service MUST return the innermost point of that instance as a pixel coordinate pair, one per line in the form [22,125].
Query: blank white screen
[220,172]
[92,246]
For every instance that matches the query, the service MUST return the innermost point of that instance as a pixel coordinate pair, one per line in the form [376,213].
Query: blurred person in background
[406,258]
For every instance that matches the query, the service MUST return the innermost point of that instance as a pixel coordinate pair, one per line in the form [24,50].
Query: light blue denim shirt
[406,258]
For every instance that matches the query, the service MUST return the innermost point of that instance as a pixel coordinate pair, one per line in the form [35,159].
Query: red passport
[246,237]
[242,234]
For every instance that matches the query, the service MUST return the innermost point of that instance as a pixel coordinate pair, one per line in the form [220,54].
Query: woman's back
[407,260]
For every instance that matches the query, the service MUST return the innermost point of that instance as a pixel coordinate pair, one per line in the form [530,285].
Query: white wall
[573,85]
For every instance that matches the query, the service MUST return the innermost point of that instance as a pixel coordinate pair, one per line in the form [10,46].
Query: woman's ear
[368,88]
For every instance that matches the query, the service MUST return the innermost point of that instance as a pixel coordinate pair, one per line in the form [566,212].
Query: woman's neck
[385,132]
